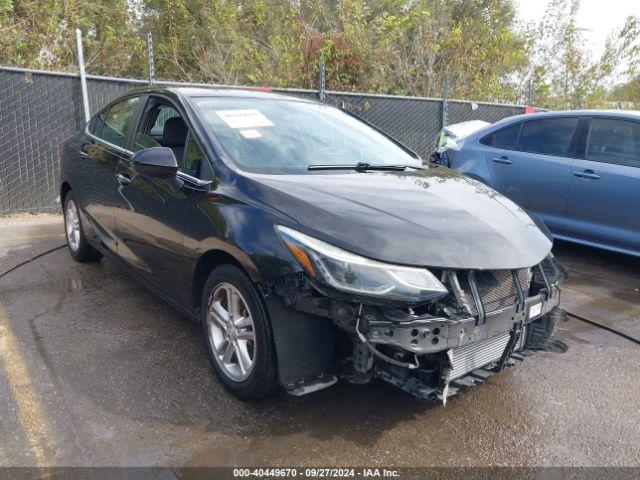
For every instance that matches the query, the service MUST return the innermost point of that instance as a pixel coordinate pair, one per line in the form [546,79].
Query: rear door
[530,163]
[103,148]
[150,223]
[604,197]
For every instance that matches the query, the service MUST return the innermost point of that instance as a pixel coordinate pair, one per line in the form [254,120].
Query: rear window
[550,136]
[505,138]
[614,141]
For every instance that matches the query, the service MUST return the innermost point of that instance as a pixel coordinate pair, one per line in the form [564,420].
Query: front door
[150,222]
[605,186]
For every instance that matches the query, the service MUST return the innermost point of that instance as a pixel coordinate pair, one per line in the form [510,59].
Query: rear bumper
[425,335]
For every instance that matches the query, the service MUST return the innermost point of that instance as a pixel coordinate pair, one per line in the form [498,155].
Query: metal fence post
[321,92]
[152,69]
[445,102]
[83,77]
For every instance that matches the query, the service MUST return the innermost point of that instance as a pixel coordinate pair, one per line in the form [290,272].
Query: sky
[597,17]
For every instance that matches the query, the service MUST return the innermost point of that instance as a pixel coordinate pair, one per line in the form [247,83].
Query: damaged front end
[427,333]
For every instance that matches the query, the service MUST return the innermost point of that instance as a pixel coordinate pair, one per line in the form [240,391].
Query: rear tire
[79,249]
[238,333]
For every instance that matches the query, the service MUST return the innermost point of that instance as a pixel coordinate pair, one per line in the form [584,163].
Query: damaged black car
[309,245]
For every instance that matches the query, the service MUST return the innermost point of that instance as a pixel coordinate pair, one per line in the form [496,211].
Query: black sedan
[309,245]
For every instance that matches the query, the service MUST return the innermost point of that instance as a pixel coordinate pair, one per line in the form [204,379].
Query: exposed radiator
[497,287]
[476,355]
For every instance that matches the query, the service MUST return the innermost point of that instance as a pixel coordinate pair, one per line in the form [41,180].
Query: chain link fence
[40,109]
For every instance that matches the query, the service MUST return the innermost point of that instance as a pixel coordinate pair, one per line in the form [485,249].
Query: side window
[152,132]
[487,140]
[549,136]
[614,141]
[165,113]
[507,137]
[163,126]
[193,158]
[111,125]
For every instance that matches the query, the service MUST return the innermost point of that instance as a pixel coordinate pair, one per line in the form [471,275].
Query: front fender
[246,232]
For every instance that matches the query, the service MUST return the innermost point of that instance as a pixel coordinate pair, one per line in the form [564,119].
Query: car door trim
[120,149]
[196,181]
[128,153]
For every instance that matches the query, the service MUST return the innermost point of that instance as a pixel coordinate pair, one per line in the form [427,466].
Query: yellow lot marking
[30,413]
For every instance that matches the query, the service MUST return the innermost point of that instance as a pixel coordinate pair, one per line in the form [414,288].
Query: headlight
[349,272]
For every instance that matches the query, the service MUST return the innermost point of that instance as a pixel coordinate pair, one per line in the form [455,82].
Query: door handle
[587,174]
[123,179]
[503,160]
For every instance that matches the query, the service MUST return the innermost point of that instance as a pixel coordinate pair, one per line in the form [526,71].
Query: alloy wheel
[231,332]
[72,225]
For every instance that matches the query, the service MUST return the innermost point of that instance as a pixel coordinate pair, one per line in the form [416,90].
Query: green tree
[385,46]
[41,34]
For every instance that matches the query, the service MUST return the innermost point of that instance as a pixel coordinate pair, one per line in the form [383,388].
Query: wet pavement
[97,371]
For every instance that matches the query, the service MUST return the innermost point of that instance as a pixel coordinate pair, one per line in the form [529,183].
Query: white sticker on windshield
[248,118]
[250,133]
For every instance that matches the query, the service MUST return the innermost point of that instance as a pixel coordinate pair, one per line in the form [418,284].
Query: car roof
[634,114]
[213,92]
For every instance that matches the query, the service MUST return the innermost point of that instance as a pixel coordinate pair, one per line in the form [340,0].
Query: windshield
[286,136]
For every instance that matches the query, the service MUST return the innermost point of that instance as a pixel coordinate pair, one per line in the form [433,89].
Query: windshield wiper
[363,167]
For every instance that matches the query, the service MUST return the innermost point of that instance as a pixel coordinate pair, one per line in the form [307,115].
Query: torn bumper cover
[472,352]
[425,334]
[505,317]
[484,321]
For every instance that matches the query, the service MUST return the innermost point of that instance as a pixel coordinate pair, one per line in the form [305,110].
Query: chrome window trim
[184,176]
[526,120]
[112,145]
[194,180]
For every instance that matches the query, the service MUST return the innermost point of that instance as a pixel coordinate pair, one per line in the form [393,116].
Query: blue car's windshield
[286,136]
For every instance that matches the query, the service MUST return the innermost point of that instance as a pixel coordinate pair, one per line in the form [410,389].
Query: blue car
[579,171]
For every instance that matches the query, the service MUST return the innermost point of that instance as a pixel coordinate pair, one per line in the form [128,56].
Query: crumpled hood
[430,218]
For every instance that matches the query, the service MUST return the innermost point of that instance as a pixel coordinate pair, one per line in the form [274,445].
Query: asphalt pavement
[97,371]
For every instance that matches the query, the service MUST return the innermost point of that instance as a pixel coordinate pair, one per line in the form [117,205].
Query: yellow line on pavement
[30,413]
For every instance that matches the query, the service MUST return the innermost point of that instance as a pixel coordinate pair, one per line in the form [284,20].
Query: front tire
[238,333]
[79,249]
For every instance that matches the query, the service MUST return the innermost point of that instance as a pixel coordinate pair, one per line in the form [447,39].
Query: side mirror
[155,162]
